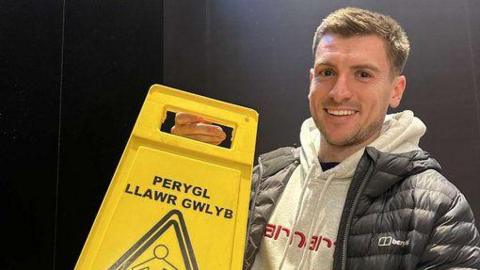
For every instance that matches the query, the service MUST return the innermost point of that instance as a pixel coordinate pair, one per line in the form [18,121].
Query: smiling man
[351,86]
[359,193]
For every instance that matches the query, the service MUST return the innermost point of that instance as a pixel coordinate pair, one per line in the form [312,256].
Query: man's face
[351,87]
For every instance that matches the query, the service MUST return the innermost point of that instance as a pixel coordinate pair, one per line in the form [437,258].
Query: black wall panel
[113,54]
[30,46]
[469,167]
[185,24]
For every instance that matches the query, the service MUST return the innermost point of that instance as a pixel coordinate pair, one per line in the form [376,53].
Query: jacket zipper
[356,188]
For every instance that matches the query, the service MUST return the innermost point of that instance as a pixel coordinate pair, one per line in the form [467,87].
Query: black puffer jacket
[400,213]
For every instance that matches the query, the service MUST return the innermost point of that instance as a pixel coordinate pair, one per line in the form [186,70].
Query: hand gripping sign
[176,203]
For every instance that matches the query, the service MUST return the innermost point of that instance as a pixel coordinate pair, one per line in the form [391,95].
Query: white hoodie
[308,213]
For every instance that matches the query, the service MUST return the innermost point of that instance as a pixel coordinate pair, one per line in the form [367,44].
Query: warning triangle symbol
[165,246]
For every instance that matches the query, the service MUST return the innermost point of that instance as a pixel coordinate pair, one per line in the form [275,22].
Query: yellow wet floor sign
[176,203]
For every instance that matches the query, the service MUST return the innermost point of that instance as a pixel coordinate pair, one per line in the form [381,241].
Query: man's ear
[399,84]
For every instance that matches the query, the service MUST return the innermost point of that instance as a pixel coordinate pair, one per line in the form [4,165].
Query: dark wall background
[74,76]
[75,73]
[112,54]
[30,50]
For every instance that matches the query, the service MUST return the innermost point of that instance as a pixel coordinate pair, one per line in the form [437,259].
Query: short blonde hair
[351,21]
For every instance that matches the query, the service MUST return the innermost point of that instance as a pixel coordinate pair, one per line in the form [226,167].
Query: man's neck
[338,153]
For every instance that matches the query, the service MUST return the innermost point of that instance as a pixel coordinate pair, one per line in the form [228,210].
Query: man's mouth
[340,112]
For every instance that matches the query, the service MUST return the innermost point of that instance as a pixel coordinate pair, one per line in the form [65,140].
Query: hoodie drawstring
[317,215]
[297,215]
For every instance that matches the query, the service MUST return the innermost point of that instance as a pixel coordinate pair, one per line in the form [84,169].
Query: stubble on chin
[359,137]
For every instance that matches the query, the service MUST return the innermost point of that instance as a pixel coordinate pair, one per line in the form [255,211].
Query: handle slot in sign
[169,122]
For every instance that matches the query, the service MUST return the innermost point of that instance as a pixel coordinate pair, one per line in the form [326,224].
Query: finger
[207,139]
[183,118]
[198,129]
[201,132]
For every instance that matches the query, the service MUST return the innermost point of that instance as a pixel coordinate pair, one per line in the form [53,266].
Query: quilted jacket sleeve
[455,240]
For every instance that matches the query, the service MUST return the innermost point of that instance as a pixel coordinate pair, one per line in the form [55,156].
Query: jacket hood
[401,132]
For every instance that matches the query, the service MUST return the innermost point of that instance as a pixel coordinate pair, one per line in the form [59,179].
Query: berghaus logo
[387,241]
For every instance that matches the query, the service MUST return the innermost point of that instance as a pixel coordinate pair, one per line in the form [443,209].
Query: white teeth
[340,112]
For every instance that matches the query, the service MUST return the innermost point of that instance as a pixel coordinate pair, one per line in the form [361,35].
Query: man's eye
[326,73]
[364,74]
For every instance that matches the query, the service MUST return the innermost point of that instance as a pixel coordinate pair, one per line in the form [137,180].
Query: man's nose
[340,91]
